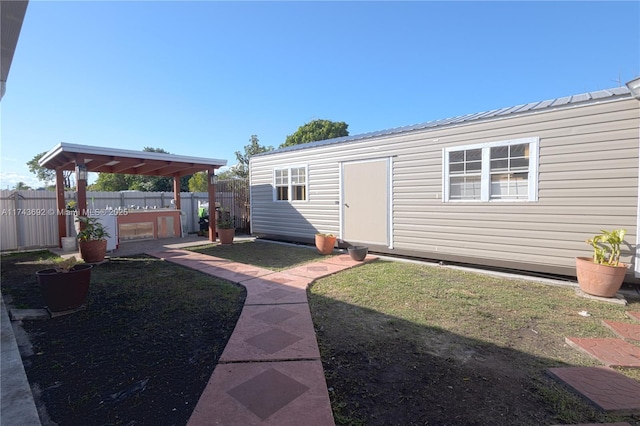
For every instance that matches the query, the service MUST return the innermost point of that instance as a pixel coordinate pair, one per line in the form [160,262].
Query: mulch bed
[141,352]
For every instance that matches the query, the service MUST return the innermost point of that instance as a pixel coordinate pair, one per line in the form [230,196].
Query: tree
[317,130]
[47,175]
[21,186]
[227,174]
[110,182]
[241,169]
[121,182]
[198,182]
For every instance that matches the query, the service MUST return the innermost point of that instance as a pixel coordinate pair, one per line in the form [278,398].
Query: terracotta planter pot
[358,253]
[64,291]
[599,280]
[226,235]
[325,243]
[93,251]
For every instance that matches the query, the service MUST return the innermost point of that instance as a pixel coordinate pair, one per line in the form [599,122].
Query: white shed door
[365,202]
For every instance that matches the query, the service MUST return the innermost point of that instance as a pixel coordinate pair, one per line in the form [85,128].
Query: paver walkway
[270,372]
[604,387]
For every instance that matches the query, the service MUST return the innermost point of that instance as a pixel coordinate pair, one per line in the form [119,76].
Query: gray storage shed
[519,188]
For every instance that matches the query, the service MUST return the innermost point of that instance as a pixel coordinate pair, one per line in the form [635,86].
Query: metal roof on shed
[566,101]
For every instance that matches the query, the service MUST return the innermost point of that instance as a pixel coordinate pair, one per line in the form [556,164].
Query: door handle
[346,205]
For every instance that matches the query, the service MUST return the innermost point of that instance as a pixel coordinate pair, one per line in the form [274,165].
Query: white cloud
[9,179]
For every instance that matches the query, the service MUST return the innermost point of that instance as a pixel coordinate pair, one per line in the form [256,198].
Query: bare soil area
[141,352]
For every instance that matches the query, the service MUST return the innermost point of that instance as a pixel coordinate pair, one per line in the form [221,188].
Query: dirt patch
[437,379]
[142,351]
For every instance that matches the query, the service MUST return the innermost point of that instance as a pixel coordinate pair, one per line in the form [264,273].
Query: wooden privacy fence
[28,219]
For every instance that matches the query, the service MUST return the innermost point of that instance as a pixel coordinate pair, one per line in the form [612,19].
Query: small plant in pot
[65,286]
[92,239]
[325,242]
[225,227]
[603,274]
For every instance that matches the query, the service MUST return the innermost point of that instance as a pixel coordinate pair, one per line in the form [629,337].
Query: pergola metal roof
[65,156]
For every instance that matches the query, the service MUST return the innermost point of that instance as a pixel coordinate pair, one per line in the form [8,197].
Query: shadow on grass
[269,255]
[383,369]
[140,353]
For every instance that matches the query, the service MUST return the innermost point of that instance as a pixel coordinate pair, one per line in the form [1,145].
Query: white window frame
[290,186]
[485,181]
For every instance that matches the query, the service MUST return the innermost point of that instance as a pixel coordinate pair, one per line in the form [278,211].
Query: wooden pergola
[83,159]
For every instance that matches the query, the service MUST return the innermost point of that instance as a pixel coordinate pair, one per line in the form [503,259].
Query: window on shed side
[290,184]
[496,171]
[298,184]
[510,172]
[465,168]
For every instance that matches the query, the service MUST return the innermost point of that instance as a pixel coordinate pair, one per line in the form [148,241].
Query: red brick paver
[277,288]
[265,393]
[634,315]
[611,352]
[272,332]
[607,389]
[624,330]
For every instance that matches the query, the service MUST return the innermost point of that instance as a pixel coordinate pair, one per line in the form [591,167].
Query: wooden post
[60,206]
[176,191]
[81,189]
[211,190]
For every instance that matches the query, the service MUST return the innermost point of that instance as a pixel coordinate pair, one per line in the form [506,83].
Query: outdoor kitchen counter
[148,224]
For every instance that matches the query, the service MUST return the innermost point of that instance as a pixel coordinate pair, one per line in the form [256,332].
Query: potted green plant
[325,242]
[603,274]
[225,227]
[65,286]
[92,239]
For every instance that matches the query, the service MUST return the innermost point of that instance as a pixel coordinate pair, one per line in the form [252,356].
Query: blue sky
[199,78]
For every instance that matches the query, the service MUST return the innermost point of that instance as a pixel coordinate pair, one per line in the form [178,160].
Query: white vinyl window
[495,171]
[290,184]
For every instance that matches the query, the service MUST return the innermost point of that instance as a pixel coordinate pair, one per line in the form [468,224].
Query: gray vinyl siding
[588,180]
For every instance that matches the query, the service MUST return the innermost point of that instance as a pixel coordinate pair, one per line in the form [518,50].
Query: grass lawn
[406,344]
[268,255]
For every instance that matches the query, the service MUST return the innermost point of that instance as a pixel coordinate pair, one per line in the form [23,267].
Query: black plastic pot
[63,291]
[358,253]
